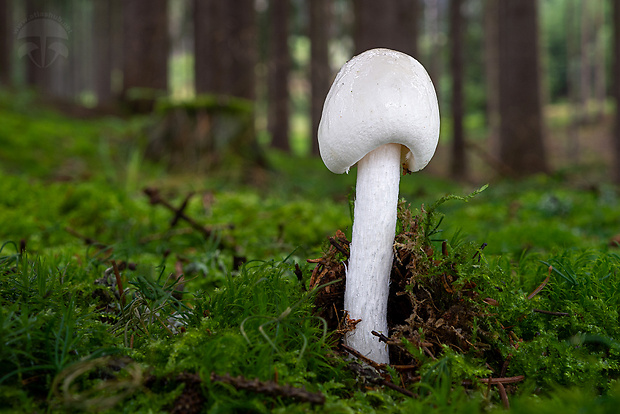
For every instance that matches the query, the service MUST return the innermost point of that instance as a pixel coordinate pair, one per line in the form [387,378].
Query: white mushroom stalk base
[370,262]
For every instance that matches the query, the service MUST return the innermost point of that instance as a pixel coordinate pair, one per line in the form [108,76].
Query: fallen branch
[505,380]
[499,382]
[270,388]
[155,198]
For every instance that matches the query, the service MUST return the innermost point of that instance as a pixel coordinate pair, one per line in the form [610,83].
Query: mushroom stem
[370,263]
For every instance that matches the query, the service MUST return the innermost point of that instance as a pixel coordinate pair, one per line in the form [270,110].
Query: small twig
[490,301]
[482,246]
[87,240]
[405,368]
[498,165]
[180,211]
[372,376]
[503,395]
[179,280]
[239,261]
[300,276]
[338,246]
[382,338]
[364,358]
[499,382]
[505,380]
[550,312]
[541,286]
[398,388]
[170,233]
[505,365]
[428,352]
[119,283]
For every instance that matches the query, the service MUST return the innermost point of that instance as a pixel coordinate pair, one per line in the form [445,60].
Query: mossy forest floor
[222,292]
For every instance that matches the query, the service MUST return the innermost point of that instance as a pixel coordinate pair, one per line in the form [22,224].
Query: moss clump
[434,299]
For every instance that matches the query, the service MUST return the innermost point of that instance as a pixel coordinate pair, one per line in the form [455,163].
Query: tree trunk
[435,63]
[5,43]
[599,62]
[279,67]
[83,17]
[373,24]
[58,77]
[103,45]
[63,76]
[573,80]
[391,24]
[320,74]
[459,161]
[240,80]
[209,37]
[406,27]
[491,67]
[37,72]
[146,45]
[225,47]
[522,148]
[585,55]
[616,89]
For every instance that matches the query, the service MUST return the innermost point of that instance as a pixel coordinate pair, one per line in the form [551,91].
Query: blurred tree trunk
[573,62]
[522,148]
[145,47]
[491,68]
[225,47]
[209,37]
[435,64]
[5,43]
[84,55]
[391,24]
[279,67]
[585,65]
[320,74]
[36,73]
[63,75]
[406,27]
[373,24]
[616,89]
[103,46]
[599,61]
[241,49]
[458,165]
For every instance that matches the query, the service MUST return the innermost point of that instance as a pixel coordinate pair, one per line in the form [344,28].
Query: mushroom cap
[379,97]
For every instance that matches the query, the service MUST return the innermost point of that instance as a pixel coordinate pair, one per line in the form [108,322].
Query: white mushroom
[381,112]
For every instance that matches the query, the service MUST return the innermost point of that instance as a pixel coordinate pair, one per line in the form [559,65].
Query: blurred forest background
[525,86]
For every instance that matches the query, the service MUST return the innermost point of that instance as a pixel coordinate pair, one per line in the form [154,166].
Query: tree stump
[204,135]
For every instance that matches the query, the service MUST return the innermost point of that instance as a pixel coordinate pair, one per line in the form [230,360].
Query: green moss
[257,320]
